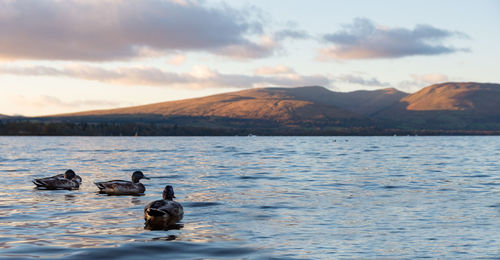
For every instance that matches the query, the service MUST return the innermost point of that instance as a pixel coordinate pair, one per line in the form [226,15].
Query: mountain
[449,105]
[364,102]
[275,104]
[476,97]
[302,107]
[302,104]
[463,108]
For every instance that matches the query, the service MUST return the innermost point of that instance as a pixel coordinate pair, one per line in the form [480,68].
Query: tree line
[41,128]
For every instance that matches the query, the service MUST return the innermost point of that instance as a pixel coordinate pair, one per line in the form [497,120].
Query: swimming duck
[67,181]
[119,187]
[165,212]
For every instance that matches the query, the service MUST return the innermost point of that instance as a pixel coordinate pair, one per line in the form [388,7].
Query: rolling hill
[282,105]
[274,104]
[363,102]
[448,106]
[459,107]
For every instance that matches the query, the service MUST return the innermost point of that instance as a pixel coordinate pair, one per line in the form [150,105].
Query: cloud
[50,101]
[291,34]
[418,81]
[177,59]
[354,79]
[199,78]
[429,78]
[265,47]
[274,70]
[116,30]
[364,40]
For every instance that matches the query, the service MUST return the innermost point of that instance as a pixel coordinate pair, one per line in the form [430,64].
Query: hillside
[281,105]
[457,107]
[480,98]
[448,106]
[364,102]
[301,104]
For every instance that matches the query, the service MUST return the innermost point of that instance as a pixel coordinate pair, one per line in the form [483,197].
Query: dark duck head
[69,174]
[168,193]
[137,176]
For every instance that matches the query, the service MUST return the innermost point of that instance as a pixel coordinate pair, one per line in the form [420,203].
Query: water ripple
[256,198]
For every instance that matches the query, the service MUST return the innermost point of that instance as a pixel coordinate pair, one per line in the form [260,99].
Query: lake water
[256,197]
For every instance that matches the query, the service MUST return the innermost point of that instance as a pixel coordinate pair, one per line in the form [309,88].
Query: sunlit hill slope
[460,107]
[275,106]
[448,106]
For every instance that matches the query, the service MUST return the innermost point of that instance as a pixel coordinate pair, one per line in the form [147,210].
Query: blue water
[256,197]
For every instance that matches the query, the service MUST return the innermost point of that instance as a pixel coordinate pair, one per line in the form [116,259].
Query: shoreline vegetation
[33,128]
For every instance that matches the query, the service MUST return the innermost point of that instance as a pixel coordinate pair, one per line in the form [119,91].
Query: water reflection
[136,201]
[158,226]
[167,238]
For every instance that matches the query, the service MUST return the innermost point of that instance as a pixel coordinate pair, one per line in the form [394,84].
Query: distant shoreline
[30,128]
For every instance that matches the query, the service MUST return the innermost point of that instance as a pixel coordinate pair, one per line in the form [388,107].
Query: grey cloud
[364,40]
[247,50]
[156,77]
[113,29]
[44,101]
[354,79]
[245,81]
[291,34]
[127,76]
[419,81]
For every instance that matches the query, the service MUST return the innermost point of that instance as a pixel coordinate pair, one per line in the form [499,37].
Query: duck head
[69,174]
[137,176]
[168,193]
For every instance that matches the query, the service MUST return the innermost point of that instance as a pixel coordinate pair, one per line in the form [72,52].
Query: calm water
[257,197]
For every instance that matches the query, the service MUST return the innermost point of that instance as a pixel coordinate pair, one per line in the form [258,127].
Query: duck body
[66,181]
[165,212]
[121,187]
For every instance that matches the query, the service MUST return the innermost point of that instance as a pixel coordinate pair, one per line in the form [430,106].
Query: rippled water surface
[256,197]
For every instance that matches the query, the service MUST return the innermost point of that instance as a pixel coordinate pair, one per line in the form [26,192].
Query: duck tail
[38,183]
[78,179]
[155,212]
[99,185]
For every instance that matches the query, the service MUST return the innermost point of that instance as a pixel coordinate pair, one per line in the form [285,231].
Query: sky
[74,55]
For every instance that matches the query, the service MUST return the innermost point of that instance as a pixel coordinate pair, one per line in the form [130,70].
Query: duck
[120,187]
[67,181]
[165,212]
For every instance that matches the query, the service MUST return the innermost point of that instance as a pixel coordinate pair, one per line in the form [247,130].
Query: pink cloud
[274,70]
[177,59]
[199,78]
[430,78]
[119,30]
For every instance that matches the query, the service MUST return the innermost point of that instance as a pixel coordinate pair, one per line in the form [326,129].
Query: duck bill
[146,178]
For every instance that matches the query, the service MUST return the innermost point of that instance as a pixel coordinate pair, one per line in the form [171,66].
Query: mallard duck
[67,181]
[119,187]
[165,212]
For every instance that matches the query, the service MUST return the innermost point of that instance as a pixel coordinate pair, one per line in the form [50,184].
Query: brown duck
[164,212]
[67,181]
[120,187]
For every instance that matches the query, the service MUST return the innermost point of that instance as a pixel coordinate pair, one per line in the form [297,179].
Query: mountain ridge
[266,103]
[450,106]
